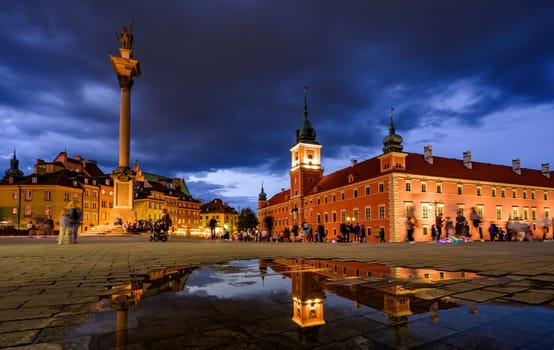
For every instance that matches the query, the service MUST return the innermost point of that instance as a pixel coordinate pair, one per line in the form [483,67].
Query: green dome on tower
[392,142]
[306,133]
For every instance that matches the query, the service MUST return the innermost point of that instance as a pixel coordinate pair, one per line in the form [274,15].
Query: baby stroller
[159,232]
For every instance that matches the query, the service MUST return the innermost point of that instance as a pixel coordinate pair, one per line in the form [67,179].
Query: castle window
[355,193]
[423,187]
[408,186]
[460,191]
[334,198]
[493,192]
[28,195]
[545,196]
[479,190]
[368,213]
[503,193]
[439,188]
[532,194]
[367,190]
[47,195]
[381,187]
[342,197]
[514,193]
[381,212]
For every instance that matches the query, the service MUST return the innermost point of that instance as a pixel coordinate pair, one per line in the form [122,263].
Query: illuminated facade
[226,216]
[381,192]
[47,191]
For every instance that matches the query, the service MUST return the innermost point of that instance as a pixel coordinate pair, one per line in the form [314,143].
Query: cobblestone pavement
[46,287]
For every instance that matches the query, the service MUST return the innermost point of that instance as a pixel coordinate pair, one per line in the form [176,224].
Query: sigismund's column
[126,67]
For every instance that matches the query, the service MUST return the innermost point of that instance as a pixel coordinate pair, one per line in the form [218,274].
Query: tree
[268,221]
[247,220]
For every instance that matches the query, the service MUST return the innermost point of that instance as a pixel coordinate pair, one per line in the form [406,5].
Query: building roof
[217,206]
[447,168]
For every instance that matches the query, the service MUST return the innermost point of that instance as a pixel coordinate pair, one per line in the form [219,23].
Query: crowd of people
[461,229]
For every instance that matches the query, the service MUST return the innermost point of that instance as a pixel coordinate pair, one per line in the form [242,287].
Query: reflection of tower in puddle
[123,297]
[307,299]
[397,307]
[121,302]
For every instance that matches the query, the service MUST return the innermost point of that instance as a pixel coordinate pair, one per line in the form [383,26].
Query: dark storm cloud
[222,81]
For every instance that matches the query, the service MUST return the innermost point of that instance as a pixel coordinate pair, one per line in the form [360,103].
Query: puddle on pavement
[321,304]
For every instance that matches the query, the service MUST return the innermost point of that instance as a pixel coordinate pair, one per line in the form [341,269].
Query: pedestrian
[410,227]
[439,223]
[449,227]
[382,235]
[434,232]
[75,217]
[344,232]
[475,221]
[460,224]
[63,236]
[493,231]
[362,234]
[321,233]
[49,225]
[357,233]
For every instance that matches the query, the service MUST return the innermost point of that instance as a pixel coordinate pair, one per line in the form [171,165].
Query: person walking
[75,217]
[439,223]
[63,236]
[362,234]
[410,227]
[475,221]
[49,225]
[382,235]
[357,233]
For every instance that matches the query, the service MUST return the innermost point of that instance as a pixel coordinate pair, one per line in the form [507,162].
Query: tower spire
[306,133]
[262,196]
[392,142]
[305,102]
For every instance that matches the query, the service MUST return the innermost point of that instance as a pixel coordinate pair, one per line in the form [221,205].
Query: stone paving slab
[52,286]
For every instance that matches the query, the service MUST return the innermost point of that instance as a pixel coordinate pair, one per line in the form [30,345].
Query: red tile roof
[416,165]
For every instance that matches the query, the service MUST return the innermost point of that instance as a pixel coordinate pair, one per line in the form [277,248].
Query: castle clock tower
[305,165]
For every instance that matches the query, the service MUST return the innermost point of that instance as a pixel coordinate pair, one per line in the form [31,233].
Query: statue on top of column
[126,38]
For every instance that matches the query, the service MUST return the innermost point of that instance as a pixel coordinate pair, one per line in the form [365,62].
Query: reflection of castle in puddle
[124,296]
[398,292]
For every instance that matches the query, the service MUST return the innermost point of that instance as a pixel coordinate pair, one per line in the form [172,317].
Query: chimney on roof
[516,166]
[282,189]
[467,159]
[428,154]
[545,170]
[353,162]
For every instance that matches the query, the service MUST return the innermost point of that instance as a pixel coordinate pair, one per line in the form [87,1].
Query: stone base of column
[124,214]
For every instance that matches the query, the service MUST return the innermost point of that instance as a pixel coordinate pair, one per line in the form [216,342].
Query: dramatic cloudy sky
[221,90]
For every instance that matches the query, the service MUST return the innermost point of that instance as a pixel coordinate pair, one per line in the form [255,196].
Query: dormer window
[108,182]
[350,178]
[10,180]
[34,179]
[74,183]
